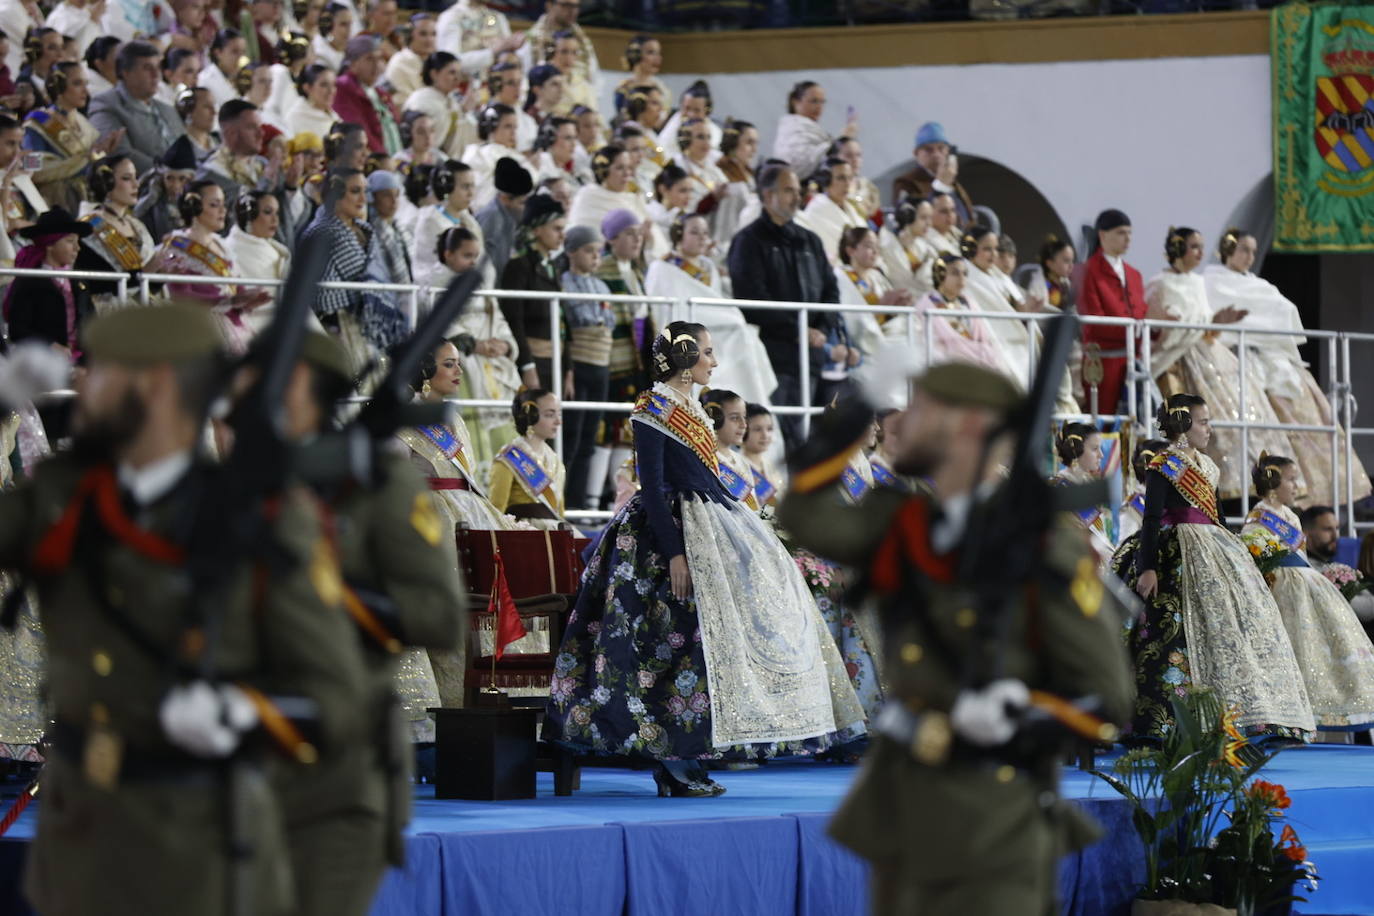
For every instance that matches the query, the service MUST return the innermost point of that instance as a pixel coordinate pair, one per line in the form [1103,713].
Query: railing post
[1347,399]
[555,310]
[122,288]
[1244,426]
[1132,381]
[804,369]
[144,290]
[1147,383]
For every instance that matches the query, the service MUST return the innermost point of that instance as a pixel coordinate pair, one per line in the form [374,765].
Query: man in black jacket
[774,258]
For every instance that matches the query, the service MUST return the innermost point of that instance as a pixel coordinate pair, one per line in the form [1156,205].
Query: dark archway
[1026,214]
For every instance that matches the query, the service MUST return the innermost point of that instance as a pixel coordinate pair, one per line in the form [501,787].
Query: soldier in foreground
[167,696]
[402,588]
[956,805]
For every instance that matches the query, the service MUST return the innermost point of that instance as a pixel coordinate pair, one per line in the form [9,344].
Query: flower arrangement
[1348,580]
[1204,819]
[1265,550]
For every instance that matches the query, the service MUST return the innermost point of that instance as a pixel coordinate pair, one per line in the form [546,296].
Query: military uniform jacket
[129,823]
[391,543]
[903,813]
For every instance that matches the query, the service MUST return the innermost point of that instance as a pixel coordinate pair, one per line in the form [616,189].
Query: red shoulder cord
[908,542]
[54,551]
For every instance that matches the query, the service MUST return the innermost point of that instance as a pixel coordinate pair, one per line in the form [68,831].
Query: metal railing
[1140,389]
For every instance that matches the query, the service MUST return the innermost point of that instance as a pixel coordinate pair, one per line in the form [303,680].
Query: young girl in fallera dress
[769,482]
[671,652]
[882,460]
[1209,619]
[1333,652]
[527,476]
[1079,447]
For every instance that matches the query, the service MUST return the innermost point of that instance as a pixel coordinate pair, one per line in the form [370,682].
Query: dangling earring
[424,389]
[1181,441]
[686,376]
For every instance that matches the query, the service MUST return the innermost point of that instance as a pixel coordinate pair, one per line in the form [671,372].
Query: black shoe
[692,783]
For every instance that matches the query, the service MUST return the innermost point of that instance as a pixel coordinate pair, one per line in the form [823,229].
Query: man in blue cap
[937,169]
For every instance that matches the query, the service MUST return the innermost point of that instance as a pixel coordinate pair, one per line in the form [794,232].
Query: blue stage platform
[615,848]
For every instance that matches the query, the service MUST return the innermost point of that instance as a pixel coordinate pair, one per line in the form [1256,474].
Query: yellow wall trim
[954,43]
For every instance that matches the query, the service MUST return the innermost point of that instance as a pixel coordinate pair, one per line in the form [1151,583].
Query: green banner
[1323,71]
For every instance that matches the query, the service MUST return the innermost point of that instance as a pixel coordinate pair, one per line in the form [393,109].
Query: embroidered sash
[193,249]
[1188,481]
[696,273]
[1137,502]
[1289,535]
[56,130]
[854,484]
[656,409]
[125,253]
[738,487]
[863,286]
[533,479]
[443,438]
[884,477]
[764,489]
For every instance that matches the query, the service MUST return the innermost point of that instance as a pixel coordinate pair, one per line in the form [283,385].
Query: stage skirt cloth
[1212,623]
[744,668]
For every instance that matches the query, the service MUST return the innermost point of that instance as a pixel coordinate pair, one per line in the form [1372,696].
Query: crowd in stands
[207,138]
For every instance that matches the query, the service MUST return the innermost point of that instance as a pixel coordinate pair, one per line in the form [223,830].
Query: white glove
[987,717]
[31,369]
[207,720]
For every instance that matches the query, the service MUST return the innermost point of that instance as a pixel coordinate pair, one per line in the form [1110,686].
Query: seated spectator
[453,129]
[366,322]
[119,242]
[160,191]
[180,67]
[49,309]
[149,126]
[944,234]
[688,271]
[500,220]
[951,339]
[358,99]
[478,33]
[199,251]
[937,170]
[336,28]
[403,68]
[863,193]
[696,155]
[739,147]
[555,152]
[236,166]
[545,95]
[774,258]
[647,157]
[258,255]
[20,17]
[643,108]
[261,24]
[219,72]
[257,78]
[453,186]
[65,139]
[79,19]
[42,49]
[192,27]
[381,23]
[591,135]
[1322,530]
[829,212]
[907,253]
[313,109]
[801,142]
[302,179]
[696,106]
[417,135]
[644,59]
[612,170]
[589,325]
[197,111]
[672,193]
[496,130]
[862,282]
[417,196]
[100,60]
[383,199]
[293,56]
[556,38]
[534,268]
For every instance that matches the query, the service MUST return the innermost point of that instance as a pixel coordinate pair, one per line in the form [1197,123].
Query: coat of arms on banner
[1345,112]
[1322,55]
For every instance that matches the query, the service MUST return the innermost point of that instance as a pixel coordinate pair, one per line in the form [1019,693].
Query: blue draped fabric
[833,881]
[556,871]
[415,889]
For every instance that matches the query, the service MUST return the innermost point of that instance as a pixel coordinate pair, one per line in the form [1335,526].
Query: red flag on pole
[509,626]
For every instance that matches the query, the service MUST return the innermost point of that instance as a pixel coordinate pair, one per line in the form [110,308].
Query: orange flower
[1231,753]
[1296,853]
[1289,836]
[1270,794]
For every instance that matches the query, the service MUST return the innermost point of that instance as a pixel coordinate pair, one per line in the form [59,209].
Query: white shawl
[1282,366]
[829,220]
[801,142]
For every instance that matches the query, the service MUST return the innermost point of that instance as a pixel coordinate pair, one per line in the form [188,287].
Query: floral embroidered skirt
[855,634]
[631,675]
[1213,623]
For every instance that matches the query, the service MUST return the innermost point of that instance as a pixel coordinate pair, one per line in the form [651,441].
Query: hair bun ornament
[1175,411]
[530,408]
